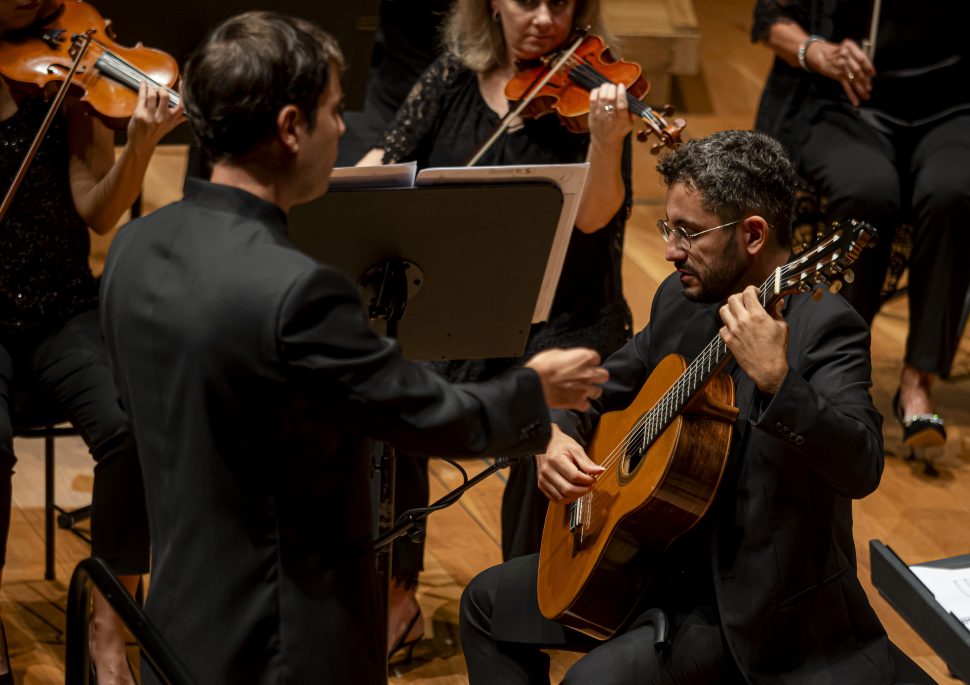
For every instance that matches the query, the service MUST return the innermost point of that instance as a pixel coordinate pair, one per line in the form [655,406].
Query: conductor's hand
[565,472]
[757,339]
[570,378]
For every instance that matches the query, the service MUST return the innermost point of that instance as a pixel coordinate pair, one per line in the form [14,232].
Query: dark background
[176,26]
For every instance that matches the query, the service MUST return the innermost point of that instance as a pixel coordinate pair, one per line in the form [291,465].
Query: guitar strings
[711,353]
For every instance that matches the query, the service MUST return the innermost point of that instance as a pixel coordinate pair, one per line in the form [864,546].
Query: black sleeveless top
[441,124]
[44,244]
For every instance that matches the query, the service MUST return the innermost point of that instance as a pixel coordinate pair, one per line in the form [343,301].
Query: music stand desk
[916,604]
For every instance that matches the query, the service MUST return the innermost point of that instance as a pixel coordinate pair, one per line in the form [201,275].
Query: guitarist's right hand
[570,378]
[565,472]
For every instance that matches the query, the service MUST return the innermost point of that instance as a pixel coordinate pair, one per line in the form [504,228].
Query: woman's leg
[7,461]
[854,168]
[72,366]
[938,277]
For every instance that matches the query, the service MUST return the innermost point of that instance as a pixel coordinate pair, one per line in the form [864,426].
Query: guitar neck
[715,355]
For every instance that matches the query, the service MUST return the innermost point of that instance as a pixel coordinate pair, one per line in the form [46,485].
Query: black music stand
[450,271]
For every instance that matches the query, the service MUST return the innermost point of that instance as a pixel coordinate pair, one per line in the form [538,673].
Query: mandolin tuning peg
[818,294]
[835,287]
[849,275]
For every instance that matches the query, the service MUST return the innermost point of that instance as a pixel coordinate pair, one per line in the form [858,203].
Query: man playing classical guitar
[764,588]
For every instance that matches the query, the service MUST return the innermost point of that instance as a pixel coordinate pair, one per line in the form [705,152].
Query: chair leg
[49,507]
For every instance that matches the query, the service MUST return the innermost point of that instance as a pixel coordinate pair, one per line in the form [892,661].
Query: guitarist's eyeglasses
[683,237]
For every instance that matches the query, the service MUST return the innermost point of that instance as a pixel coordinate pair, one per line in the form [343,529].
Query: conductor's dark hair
[738,174]
[246,70]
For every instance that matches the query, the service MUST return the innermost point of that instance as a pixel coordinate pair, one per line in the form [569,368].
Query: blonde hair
[476,39]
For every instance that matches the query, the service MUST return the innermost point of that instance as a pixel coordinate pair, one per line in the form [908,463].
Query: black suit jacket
[782,553]
[251,378]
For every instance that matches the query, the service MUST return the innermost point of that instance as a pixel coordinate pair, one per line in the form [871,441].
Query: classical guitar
[664,457]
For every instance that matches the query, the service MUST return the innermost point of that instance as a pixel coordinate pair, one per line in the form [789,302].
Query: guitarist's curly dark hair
[738,174]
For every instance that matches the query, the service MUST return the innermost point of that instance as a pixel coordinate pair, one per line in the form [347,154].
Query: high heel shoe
[403,643]
[6,678]
[919,430]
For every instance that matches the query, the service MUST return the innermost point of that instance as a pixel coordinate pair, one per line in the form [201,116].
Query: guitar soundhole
[634,454]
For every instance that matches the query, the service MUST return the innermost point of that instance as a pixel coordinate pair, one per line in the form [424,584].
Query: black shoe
[920,430]
[403,643]
[5,678]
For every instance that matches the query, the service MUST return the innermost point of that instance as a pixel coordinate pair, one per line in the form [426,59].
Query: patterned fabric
[442,123]
[44,274]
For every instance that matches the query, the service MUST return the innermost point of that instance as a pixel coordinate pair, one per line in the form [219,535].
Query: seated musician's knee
[478,599]
[943,197]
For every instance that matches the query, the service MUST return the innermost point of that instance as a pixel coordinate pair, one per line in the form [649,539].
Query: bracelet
[803,49]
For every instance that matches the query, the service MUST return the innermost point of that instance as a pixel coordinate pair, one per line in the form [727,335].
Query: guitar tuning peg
[849,275]
[835,287]
[818,294]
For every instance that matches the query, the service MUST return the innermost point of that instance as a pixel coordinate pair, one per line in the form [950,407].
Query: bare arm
[102,187]
[609,124]
[374,157]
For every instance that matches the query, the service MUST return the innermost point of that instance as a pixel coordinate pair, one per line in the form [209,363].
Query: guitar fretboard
[698,372]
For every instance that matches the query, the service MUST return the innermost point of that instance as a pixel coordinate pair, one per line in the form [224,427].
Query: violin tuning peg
[849,275]
[835,287]
[642,136]
[656,148]
[667,110]
[818,294]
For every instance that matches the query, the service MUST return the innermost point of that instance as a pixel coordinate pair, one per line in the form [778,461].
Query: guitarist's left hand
[565,472]
[757,339]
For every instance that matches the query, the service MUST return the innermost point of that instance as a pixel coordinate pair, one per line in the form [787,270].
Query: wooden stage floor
[922,516]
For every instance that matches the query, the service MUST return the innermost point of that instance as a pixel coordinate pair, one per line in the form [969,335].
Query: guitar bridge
[576,515]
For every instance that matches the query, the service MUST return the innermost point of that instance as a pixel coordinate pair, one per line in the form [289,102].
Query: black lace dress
[44,244]
[442,123]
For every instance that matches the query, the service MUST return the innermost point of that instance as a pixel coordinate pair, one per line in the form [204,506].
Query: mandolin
[664,456]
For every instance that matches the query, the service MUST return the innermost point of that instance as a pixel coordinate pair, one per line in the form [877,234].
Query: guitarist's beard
[714,283]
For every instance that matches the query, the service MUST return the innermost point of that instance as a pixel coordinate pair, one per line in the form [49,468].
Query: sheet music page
[950,587]
[382,176]
[571,179]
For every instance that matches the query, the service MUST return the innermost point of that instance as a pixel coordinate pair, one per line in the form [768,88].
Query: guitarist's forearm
[841,442]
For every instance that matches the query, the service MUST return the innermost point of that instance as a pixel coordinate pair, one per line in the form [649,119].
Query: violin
[37,60]
[589,66]
[562,82]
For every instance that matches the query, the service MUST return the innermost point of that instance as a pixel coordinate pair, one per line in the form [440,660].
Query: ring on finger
[609,109]
[850,75]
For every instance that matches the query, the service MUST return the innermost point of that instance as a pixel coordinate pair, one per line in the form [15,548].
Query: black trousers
[70,366]
[920,174]
[502,640]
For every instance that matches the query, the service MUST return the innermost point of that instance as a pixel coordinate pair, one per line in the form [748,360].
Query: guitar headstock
[824,262]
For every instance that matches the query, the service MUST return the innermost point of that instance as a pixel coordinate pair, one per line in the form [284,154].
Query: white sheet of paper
[950,587]
[386,176]
[571,179]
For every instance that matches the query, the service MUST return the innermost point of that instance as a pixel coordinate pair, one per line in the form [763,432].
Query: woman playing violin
[452,109]
[49,336]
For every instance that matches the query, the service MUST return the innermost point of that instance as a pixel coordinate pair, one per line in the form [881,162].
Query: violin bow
[869,44]
[524,102]
[84,42]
